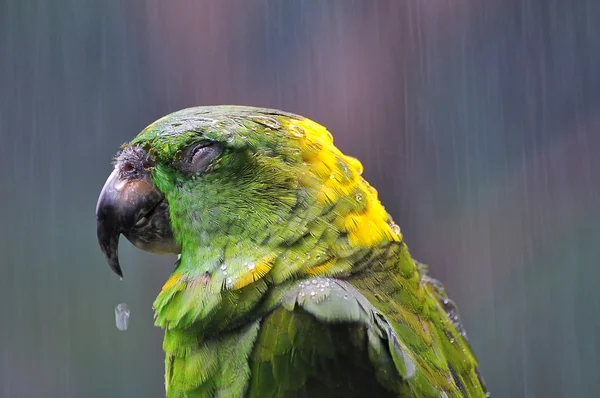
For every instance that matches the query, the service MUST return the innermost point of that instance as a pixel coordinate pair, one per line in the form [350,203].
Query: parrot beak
[129,204]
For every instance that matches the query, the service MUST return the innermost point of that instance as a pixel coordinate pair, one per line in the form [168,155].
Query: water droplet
[301,294]
[122,313]
[223,267]
[314,282]
[345,297]
[313,293]
[452,341]
[230,139]
[359,196]
[322,289]
[395,229]
[229,282]
[251,265]
[346,172]
[332,177]
[224,272]
[297,131]
[267,121]
[359,169]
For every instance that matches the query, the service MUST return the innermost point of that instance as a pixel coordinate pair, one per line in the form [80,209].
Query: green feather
[293,281]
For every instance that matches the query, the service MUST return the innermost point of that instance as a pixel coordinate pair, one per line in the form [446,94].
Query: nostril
[127,167]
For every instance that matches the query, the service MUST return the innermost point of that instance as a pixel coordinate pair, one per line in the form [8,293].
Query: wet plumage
[293,280]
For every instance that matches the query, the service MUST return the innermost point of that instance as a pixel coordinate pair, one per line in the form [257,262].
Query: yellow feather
[321,268]
[173,280]
[261,268]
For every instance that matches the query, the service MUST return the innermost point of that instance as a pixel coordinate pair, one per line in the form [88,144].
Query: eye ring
[197,157]
[197,150]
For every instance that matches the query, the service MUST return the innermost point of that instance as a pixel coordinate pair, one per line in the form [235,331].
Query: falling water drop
[122,313]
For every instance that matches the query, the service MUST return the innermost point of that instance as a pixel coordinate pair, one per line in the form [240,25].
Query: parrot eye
[198,157]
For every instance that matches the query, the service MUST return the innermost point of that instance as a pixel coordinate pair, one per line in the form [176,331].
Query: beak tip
[109,244]
[112,258]
[116,269]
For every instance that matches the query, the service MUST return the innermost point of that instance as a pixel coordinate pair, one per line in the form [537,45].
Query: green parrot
[292,280]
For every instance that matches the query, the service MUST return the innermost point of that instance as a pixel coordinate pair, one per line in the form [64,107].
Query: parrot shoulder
[325,339]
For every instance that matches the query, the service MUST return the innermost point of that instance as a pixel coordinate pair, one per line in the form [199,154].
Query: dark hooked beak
[122,203]
[129,204]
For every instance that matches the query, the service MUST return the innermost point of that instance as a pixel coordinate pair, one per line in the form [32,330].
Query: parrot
[291,278]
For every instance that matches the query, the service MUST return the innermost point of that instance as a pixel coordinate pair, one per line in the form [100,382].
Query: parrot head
[243,181]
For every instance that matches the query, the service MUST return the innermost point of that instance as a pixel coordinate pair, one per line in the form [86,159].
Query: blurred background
[477,120]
